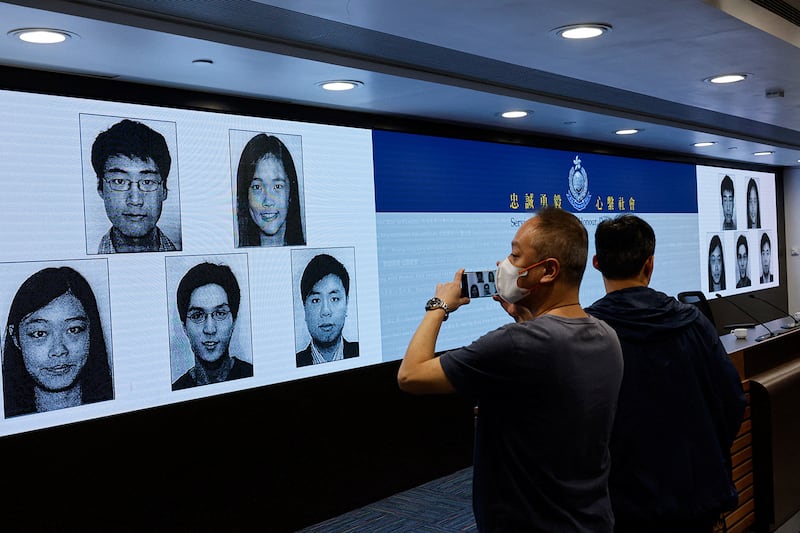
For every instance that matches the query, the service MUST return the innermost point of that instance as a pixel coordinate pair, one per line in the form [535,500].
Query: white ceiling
[459,61]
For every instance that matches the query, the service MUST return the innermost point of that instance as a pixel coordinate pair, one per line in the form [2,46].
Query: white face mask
[506,281]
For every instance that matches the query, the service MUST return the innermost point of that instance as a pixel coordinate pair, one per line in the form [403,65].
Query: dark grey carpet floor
[440,506]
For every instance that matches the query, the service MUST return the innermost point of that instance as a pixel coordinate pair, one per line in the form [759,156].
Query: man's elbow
[405,382]
[412,383]
[423,383]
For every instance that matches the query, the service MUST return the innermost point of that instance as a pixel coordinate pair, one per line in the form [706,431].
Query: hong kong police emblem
[578,193]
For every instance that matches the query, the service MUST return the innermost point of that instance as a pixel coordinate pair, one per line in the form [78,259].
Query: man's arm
[421,372]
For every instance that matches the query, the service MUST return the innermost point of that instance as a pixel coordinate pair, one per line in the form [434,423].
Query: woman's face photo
[54,341]
[752,206]
[715,260]
[268,197]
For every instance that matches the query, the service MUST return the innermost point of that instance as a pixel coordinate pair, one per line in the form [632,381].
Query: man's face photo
[727,205]
[765,253]
[326,310]
[133,193]
[741,259]
[209,322]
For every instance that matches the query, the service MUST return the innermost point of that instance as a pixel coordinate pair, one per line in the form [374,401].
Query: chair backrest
[697,299]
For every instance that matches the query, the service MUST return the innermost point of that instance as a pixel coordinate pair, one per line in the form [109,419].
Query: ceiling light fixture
[42,35]
[703,144]
[726,78]
[764,152]
[582,31]
[340,85]
[630,131]
[517,113]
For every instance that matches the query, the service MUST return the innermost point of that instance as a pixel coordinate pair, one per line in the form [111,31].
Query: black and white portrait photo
[728,204]
[765,259]
[268,184]
[716,265]
[742,262]
[326,317]
[57,336]
[209,319]
[753,205]
[131,192]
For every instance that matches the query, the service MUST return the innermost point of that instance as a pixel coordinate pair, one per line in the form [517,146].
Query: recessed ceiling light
[340,85]
[42,35]
[764,152]
[630,131]
[726,78]
[582,31]
[703,144]
[517,113]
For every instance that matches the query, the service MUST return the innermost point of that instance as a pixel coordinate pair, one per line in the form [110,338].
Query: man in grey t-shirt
[546,386]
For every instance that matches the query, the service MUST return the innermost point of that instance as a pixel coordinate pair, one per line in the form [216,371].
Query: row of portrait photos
[739,260]
[57,342]
[129,165]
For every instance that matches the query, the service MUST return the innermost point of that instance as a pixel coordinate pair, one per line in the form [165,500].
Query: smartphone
[478,284]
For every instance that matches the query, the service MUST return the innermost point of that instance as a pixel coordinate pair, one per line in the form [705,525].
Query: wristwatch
[437,303]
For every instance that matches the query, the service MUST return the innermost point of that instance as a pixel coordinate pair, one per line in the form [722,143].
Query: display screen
[156,255]
[737,225]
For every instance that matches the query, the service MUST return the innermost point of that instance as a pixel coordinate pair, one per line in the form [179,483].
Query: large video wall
[154,255]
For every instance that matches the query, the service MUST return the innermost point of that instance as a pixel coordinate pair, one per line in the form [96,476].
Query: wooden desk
[764,466]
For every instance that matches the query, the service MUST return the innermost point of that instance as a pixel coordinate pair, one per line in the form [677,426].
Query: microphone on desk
[760,338]
[795,322]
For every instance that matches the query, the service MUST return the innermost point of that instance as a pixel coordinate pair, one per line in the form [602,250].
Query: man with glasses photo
[208,298]
[132,163]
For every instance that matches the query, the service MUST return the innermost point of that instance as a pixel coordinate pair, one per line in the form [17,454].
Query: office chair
[698,299]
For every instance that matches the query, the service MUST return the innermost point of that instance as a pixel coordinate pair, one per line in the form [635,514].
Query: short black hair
[204,274]
[726,185]
[765,240]
[622,245]
[319,267]
[131,139]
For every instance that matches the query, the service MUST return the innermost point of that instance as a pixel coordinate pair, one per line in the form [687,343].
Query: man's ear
[595,262]
[647,268]
[551,270]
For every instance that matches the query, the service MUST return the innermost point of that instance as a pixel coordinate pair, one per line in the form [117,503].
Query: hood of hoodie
[642,313]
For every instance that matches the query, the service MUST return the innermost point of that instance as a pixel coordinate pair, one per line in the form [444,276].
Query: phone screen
[478,284]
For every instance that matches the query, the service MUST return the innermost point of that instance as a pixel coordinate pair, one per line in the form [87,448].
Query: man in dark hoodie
[681,400]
